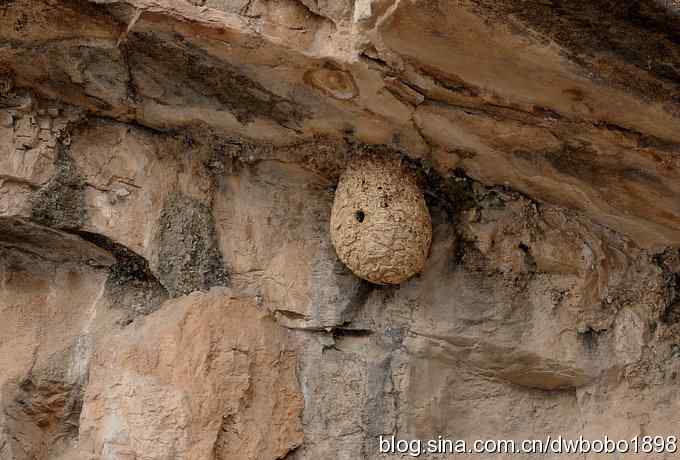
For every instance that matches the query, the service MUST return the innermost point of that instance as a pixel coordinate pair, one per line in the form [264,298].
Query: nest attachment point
[380,224]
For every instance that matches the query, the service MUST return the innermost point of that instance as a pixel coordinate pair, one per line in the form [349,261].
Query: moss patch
[189,258]
[61,202]
[131,286]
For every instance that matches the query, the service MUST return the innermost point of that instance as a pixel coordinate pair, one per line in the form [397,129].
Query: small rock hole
[359,216]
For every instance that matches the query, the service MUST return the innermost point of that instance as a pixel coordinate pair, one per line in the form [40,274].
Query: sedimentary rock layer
[168,285]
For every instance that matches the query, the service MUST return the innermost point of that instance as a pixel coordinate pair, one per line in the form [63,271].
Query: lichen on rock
[189,258]
[380,225]
[60,203]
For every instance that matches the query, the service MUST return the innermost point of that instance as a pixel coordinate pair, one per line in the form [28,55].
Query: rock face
[214,379]
[380,225]
[177,184]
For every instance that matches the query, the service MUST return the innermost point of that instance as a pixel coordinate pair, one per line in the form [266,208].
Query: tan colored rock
[272,220]
[154,148]
[380,225]
[335,83]
[207,376]
[50,289]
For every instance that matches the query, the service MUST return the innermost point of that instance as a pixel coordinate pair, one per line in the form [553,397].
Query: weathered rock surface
[209,376]
[168,285]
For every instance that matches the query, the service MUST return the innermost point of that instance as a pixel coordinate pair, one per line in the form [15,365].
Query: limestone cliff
[168,285]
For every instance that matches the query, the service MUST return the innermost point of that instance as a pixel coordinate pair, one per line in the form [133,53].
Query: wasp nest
[380,225]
